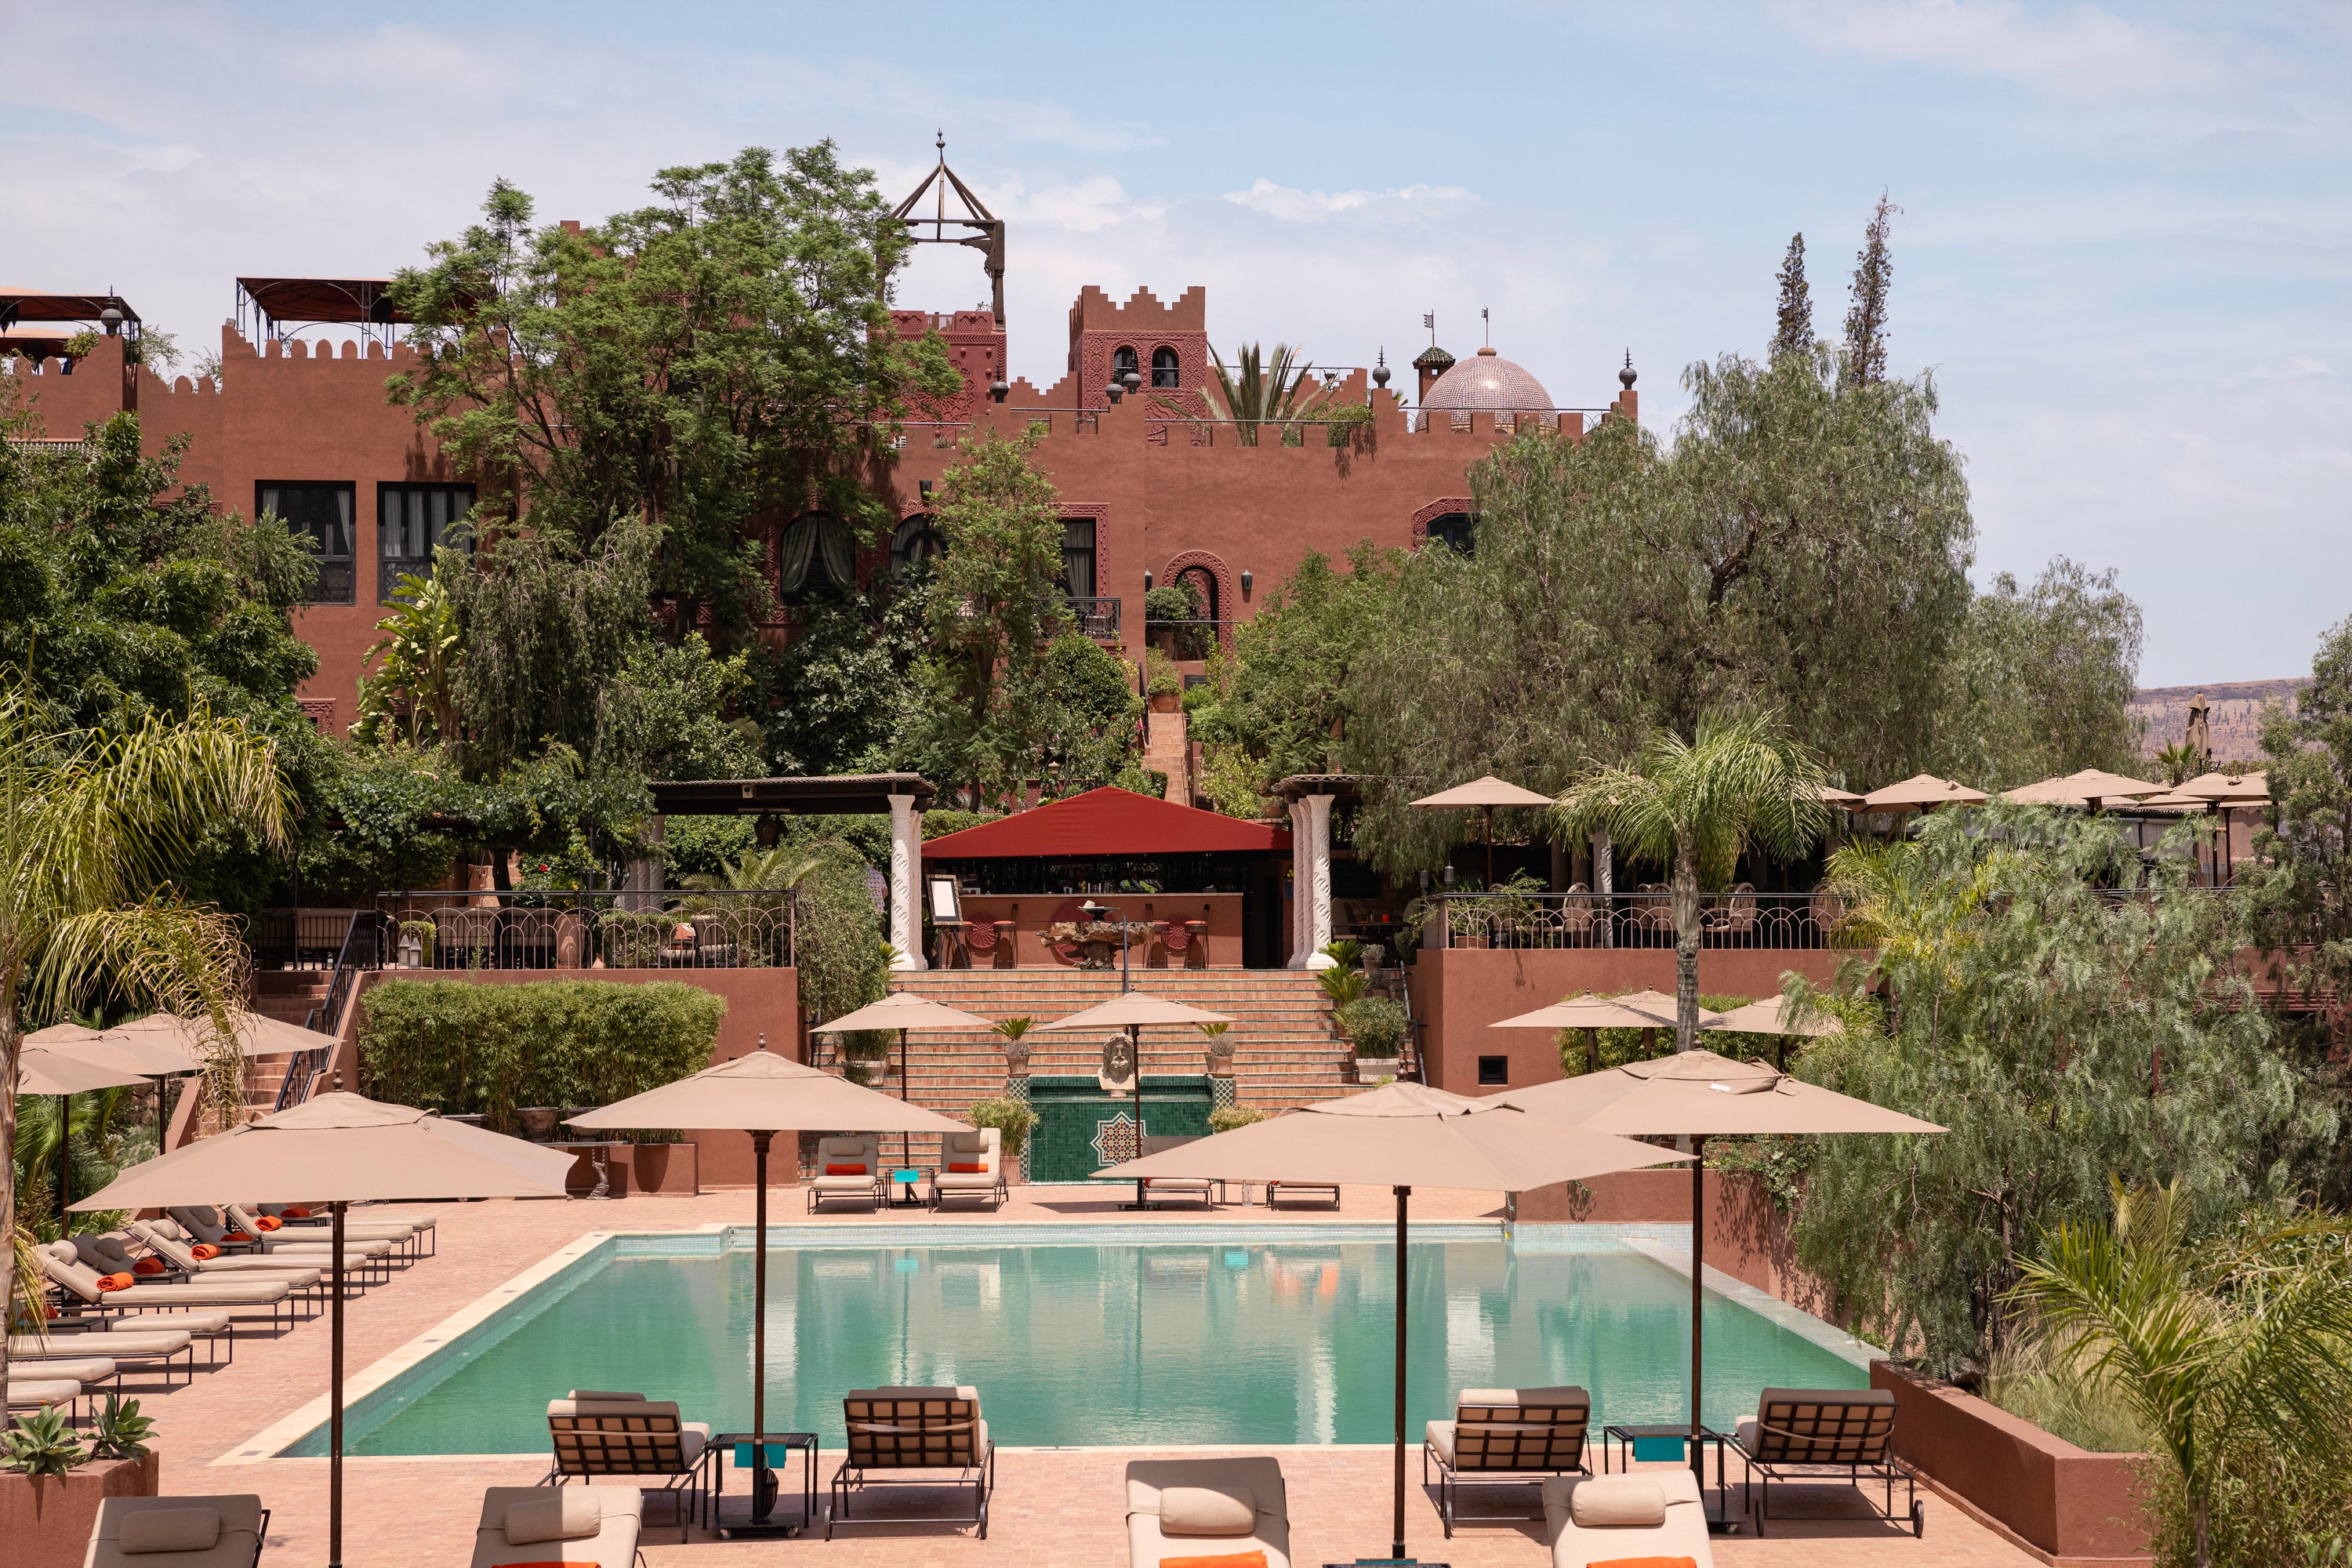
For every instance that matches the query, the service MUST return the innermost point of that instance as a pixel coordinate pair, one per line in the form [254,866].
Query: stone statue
[1117,1075]
[2200,729]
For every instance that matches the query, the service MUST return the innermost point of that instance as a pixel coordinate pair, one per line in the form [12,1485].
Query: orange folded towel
[204,1249]
[234,1239]
[115,1281]
[1231,1560]
[148,1266]
[271,1222]
[1646,1563]
[552,1562]
[296,1211]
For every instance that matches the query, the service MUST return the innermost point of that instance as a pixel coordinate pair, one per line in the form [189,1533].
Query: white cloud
[1399,204]
[2085,53]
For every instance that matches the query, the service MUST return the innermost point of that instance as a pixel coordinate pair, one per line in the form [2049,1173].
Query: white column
[1301,880]
[1318,869]
[906,867]
[1604,884]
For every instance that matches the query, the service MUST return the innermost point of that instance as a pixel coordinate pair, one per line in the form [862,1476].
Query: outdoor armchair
[596,1525]
[909,1432]
[1504,1434]
[971,1166]
[1648,1514]
[1206,1508]
[178,1532]
[848,1166]
[1809,1434]
[598,1435]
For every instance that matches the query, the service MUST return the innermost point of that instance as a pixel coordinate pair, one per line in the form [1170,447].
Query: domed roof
[1488,381]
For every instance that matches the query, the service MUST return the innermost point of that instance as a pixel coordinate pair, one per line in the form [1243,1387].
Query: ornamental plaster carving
[1432,512]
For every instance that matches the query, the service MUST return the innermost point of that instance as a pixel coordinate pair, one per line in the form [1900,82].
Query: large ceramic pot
[538,1121]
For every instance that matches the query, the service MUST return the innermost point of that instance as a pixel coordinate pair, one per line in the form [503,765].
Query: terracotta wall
[1032,912]
[759,1001]
[1458,992]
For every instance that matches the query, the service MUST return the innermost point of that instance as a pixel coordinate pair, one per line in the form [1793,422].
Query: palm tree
[1262,392]
[1696,807]
[91,829]
[2231,1344]
[2178,761]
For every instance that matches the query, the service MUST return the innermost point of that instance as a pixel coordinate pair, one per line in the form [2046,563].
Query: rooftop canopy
[339,300]
[1107,822]
[840,794]
[32,305]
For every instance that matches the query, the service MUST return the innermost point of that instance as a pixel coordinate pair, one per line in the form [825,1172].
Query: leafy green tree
[1696,807]
[412,694]
[994,604]
[845,684]
[2071,1014]
[1262,389]
[1793,536]
[1792,322]
[2232,1351]
[1076,716]
[1864,362]
[2040,682]
[704,365]
[665,716]
[1281,703]
[93,826]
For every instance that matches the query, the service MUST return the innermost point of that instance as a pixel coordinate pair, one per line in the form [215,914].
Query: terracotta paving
[1053,1506]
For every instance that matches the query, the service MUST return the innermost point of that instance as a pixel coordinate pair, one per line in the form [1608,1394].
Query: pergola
[900,797]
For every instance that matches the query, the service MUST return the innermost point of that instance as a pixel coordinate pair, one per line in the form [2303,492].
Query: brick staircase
[288,995]
[1166,750]
[1285,1053]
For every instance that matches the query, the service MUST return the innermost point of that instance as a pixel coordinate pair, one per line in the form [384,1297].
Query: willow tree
[93,827]
[1800,548]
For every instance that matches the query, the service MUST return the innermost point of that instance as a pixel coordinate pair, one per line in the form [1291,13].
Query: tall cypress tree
[1866,318]
[1792,333]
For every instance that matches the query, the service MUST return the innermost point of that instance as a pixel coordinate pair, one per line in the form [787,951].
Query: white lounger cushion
[118,1347]
[966,1179]
[236,1539]
[27,1393]
[565,1513]
[1617,1499]
[1256,1477]
[1682,1534]
[842,1184]
[79,1369]
[171,1530]
[201,1324]
[614,1545]
[1227,1509]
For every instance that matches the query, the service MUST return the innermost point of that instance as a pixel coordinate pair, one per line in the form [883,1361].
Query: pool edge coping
[1814,1331]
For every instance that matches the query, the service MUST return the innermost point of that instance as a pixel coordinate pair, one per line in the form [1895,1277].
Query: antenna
[1428,319]
[1489,326]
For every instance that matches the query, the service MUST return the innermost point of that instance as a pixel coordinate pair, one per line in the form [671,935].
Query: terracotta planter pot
[1166,701]
[47,1519]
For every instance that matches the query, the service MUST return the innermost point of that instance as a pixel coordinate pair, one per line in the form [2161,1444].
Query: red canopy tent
[1107,822]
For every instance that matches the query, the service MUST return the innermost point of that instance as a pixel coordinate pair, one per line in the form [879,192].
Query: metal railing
[296,939]
[1644,918]
[362,949]
[671,930]
[1098,618]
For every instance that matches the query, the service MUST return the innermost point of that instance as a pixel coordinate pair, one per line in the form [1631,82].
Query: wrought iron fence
[1644,918]
[296,939]
[1098,618]
[728,930]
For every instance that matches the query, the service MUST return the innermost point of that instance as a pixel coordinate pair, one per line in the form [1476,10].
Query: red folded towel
[204,1249]
[968,1168]
[148,1266]
[296,1211]
[844,1170]
[115,1281]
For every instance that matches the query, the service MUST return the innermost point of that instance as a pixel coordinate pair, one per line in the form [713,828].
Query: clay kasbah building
[1151,491]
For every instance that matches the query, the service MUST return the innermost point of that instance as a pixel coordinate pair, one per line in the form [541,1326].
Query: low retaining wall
[2068,1506]
[47,1519]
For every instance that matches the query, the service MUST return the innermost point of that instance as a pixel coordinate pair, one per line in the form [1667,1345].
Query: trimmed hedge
[461,1048]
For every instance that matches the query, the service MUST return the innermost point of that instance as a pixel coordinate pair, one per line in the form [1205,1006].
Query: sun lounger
[177,1532]
[157,1348]
[836,1179]
[981,1150]
[77,1283]
[1504,1434]
[420,1227]
[596,1525]
[299,1273]
[211,1327]
[1158,1189]
[1646,1514]
[909,1432]
[207,1224]
[1812,1435]
[599,1435]
[378,1238]
[1206,1508]
[39,1393]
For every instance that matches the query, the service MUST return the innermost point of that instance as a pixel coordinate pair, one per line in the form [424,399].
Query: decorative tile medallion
[1115,1139]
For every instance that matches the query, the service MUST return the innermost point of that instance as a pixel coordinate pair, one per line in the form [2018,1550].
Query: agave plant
[42,1444]
[119,1432]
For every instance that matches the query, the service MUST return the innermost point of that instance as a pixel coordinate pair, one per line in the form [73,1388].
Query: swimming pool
[1208,1337]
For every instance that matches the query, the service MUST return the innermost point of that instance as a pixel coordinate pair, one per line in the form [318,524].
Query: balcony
[1096,617]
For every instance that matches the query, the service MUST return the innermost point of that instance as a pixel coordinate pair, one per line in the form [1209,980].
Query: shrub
[1225,1118]
[42,1444]
[1344,985]
[462,1048]
[1012,1118]
[1374,1023]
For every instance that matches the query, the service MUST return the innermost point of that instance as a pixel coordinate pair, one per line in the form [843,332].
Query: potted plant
[1225,1118]
[1220,1050]
[50,1488]
[1015,1033]
[1160,681]
[1374,1026]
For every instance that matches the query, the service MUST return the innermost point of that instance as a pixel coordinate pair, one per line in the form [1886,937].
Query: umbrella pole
[761,1502]
[1698,1256]
[335,1404]
[1490,888]
[1134,1049]
[65,1161]
[906,1139]
[1403,1278]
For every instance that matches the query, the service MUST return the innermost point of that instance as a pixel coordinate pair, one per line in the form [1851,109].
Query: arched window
[916,545]
[815,551]
[1123,364]
[1163,367]
[1455,531]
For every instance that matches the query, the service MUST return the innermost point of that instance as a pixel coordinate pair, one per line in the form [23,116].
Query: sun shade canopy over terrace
[1920,792]
[2091,787]
[36,305]
[1642,1010]
[1107,822]
[1489,791]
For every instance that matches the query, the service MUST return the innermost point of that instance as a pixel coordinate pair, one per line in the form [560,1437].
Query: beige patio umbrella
[1843,799]
[1920,792]
[2222,791]
[1131,1010]
[1769,1017]
[155,1057]
[1404,1136]
[902,1011]
[2091,787]
[54,1061]
[257,1034]
[1648,1009]
[343,1149]
[1700,1095]
[763,1094]
[1485,794]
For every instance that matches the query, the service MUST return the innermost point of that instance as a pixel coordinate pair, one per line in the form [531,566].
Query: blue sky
[2124,252]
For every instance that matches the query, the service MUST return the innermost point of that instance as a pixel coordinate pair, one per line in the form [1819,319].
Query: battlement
[1093,312]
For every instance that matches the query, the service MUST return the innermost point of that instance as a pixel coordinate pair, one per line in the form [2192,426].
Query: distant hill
[2236,716]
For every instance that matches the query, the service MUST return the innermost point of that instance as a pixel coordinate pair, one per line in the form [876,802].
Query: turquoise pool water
[1245,1341]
